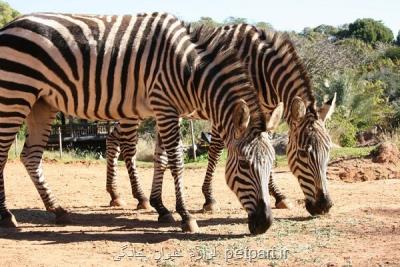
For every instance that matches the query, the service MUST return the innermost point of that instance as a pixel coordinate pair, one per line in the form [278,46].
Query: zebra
[278,75]
[127,68]
[112,154]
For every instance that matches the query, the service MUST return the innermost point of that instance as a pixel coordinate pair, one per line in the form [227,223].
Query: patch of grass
[73,156]
[350,152]
[146,149]
[202,161]
[281,160]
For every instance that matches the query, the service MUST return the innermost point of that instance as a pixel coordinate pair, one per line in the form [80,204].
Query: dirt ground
[362,229]
[382,163]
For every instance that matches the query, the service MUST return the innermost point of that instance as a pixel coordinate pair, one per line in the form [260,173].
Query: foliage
[398,39]
[234,20]
[264,26]
[325,58]
[362,104]
[350,152]
[393,53]
[7,13]
[148,127]
[341,130]
[206,21]
[368,30]
[326,29]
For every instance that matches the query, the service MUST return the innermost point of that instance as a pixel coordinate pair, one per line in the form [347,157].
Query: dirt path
[363,228]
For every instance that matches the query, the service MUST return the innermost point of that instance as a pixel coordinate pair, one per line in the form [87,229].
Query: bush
[341,130]
[347,139]
[393,53]
[368,30]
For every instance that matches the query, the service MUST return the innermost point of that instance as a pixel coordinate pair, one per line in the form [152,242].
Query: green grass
[350,152]
[67,155]
[201,162]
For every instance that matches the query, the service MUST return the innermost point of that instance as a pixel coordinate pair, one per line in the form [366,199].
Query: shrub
[368,30]
[393,53]
[341,130]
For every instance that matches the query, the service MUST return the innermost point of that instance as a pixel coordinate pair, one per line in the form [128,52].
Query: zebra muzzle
[261,219]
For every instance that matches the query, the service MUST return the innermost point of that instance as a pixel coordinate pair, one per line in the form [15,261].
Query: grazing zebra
[278,75]
[113,151]
[127,68]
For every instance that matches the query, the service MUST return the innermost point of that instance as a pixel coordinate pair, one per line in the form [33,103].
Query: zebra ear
[275,118]
[325,112]
[241,118]
[298,109]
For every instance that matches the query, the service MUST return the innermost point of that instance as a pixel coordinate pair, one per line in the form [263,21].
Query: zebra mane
[201,36]
[277,40]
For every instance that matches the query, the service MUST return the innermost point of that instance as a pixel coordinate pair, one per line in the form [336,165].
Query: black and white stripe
[278,75]
[127,68]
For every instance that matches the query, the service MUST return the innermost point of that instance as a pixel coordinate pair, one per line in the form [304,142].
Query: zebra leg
[128,141]
[281,201]
[214,154]
[7,219]
[168,126]
[160,165]
[39,126]
[113,151]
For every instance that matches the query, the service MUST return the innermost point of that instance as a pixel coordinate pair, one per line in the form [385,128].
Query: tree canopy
[368,30]
[7,13]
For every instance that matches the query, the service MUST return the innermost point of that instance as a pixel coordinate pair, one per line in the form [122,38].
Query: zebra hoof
[8,222]
[210,207]
[143,205]
[283,204]
[166,218]
[190,226]
[117,202]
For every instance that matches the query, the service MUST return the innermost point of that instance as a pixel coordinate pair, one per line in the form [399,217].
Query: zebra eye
[303,153]
[244,164]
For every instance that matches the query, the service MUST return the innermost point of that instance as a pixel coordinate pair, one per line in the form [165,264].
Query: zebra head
[249,164]
[308,153]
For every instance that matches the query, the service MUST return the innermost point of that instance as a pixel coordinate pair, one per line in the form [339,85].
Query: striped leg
[214,154]
[160,165]
[7,136]
[168,127]
[128,142]
[39,126]
[281,201]
[113,151]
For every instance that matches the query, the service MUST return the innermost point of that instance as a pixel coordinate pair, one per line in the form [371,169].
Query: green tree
[398,39]
[206,21]
[7,13]
[368,30]
[234,20]
[326,29]
[264,26]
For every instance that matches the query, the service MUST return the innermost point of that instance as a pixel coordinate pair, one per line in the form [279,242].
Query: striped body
[279,76]
[127,68]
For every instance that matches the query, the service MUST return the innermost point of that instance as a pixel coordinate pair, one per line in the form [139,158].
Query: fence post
[60,141]
[193,144]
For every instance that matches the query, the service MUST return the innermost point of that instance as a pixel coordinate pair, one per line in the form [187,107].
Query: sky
[281,14]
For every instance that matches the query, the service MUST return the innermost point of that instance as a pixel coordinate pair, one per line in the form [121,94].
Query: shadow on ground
[122,229]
